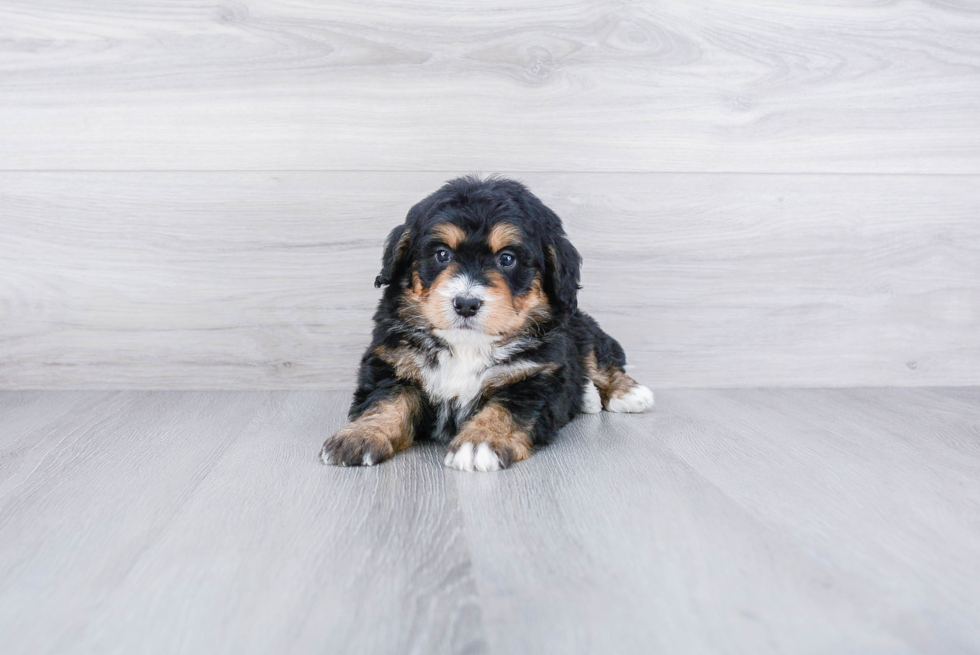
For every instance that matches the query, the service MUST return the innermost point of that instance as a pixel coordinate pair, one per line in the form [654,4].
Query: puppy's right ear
[396,248]
[564,265]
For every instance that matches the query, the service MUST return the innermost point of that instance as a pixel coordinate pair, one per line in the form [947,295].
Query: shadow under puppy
[478,339]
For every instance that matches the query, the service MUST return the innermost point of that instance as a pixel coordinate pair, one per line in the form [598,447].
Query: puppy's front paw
[356,447]
[489,441]
[473,457]
[477,455]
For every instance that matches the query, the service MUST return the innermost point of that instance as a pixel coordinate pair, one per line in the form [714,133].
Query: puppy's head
[481,255]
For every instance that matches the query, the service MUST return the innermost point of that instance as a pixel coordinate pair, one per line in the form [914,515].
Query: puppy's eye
[507,260]
[443,255]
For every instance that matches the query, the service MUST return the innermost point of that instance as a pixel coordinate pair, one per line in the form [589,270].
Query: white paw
[635,400]
[467,458]
[591,402]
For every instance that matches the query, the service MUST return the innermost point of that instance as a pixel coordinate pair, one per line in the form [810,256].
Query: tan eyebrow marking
[449,234]
[503,235]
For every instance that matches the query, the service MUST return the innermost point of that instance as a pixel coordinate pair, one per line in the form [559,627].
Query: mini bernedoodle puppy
[478,339]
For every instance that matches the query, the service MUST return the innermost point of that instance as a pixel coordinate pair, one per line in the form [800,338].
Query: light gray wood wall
[195,196]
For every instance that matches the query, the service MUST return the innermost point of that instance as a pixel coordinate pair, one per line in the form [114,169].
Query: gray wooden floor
[725,521]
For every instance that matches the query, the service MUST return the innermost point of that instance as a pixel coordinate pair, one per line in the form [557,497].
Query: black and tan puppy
[478,339]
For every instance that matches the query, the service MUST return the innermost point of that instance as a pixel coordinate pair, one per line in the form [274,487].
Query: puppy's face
[476,275]
[480,256]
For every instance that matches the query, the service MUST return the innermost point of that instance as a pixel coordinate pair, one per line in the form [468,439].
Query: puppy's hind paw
[637,399]
[591,401]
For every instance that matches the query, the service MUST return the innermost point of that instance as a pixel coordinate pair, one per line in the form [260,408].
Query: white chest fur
[459,374]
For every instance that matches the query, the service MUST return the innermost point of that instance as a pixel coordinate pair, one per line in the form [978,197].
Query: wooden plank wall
[195,195]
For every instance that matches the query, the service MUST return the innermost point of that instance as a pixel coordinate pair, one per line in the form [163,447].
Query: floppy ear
[563,266]
[396,247]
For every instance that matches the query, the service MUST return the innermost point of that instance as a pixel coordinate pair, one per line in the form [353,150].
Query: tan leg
[489,441]
[618,391]
[385,428]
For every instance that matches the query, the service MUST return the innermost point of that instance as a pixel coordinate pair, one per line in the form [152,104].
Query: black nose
[466,307]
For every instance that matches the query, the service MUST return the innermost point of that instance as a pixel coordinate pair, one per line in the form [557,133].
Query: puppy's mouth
[471,323]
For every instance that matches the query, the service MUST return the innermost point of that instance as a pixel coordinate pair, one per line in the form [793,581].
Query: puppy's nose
[466,307]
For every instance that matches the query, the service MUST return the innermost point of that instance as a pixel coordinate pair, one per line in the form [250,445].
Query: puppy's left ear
[563,267]
[396,249]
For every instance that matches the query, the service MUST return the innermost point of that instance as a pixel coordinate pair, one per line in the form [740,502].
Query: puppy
[478,340]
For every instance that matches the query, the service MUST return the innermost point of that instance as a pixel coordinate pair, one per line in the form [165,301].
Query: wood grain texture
[965,394]
[573,86]
[264,280]
[192,523]
[742,521]
[904,492]
[726,521]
